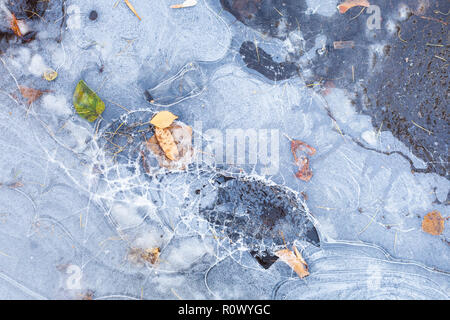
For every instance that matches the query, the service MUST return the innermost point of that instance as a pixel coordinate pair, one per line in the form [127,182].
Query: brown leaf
[348,4]
[433,223]
[167,143]
[294,260]
[31,94]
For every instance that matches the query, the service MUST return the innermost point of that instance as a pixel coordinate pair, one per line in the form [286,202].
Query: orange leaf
[15,26]
[31,94]
[182,135]
[346,5]
[294,260]
[167,143]
[433,223]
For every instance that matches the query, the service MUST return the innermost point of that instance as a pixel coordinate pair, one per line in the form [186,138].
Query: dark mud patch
[409,95]
[260,216]
[404,90]
[257,59]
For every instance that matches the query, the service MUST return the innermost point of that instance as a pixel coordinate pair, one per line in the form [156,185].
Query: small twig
[434,19]
[434,45]
[278,11]
[440,58]
[399,35]
[419,126]
[362,10]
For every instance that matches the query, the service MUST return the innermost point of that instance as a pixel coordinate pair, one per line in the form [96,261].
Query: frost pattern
[86,199]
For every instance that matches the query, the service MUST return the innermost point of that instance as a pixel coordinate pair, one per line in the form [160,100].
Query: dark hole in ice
[260,216]
[265,259]
[93,15]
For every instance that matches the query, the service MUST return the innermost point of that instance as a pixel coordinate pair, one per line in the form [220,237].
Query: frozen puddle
[86,210]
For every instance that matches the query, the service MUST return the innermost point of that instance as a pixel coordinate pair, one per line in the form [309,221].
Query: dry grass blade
[132,9]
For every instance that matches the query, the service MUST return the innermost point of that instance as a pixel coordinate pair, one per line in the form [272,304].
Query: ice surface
[81,204]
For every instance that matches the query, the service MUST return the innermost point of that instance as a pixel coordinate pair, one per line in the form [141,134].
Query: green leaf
[87,103]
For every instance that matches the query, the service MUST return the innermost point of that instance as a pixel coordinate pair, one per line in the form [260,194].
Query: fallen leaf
[185,4]
[167,143]
[50,75]
[433,223]
[15,26]
[346,5]
[302,161]
[294,260]
[87,103]
[132,9]
[182,135]
[31,94]
[163,119]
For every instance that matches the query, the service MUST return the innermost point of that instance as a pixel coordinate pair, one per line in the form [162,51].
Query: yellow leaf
[163,119]
[50,75]
[185,4]
[433,223]
[294,260]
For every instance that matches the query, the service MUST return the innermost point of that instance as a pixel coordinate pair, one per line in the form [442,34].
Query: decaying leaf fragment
[31,94]
[185,4]
[433,223]
[295,260]
[348,4]
[87,103]
[343,44]
[139,255]
[163,119]
[301,160]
